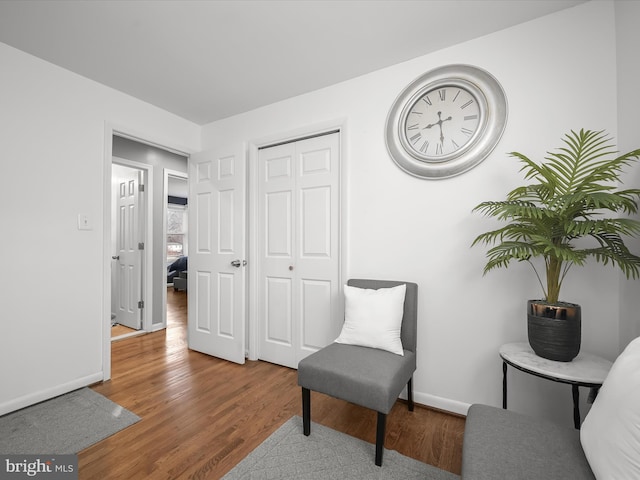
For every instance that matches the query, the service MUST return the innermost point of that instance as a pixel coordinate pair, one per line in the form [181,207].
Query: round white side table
[586,370]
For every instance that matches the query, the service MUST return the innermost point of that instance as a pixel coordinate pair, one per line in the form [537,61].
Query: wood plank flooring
[201,415]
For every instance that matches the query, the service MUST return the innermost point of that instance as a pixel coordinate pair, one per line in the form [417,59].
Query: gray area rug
[63,425]
[326,454]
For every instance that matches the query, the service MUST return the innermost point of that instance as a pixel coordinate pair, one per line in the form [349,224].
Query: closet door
[299,233]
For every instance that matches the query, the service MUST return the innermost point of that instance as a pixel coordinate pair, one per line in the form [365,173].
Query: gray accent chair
[365,376]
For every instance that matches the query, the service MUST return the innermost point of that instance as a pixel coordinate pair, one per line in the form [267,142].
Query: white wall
[628,39]
[52,128]
[404,228]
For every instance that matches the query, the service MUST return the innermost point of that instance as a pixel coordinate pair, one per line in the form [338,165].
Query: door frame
[111,130]
[167,172]
[253,207]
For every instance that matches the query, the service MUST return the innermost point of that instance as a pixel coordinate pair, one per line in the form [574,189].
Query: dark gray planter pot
[555,330]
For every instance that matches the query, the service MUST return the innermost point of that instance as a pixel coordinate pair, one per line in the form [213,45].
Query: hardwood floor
[201,415]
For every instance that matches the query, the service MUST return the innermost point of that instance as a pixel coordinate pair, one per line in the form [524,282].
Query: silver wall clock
[446,121]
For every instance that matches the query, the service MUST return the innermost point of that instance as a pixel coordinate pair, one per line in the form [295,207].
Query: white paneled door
[298,238]
[128,285]
[216,275]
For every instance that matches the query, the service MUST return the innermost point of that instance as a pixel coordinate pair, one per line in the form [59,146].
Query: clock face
[441,122]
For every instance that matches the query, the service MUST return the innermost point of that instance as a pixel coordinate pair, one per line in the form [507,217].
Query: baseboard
[42,395]
[441,403]
[124,336]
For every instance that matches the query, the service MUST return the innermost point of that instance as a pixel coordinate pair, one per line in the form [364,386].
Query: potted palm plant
[552,219]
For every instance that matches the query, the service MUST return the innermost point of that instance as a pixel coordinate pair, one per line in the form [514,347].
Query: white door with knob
[127,291]
[217,264]
[299,248]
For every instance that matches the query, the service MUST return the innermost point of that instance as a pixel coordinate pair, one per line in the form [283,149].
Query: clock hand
[439,122]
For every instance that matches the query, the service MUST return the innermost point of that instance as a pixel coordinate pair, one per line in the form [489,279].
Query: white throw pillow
[373,318]
[610,433]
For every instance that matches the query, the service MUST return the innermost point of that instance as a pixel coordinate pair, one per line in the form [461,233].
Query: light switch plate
[84,223]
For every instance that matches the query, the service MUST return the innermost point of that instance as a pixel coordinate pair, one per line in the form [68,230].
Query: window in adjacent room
[177,229]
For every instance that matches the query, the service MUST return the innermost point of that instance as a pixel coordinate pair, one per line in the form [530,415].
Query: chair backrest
[408,334]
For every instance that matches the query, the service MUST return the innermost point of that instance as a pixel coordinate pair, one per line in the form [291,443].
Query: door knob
[238,263]
[116,257]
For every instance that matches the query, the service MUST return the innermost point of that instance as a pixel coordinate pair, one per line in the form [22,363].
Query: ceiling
[210,59]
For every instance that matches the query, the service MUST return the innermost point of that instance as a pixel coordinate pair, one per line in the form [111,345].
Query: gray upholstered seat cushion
[366,376]
[500,444]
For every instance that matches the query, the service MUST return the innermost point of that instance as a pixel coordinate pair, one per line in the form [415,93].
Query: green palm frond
[567,199]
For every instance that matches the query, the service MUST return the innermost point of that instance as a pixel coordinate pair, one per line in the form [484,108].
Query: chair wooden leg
[380,430]
[410,394]
[306,411]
